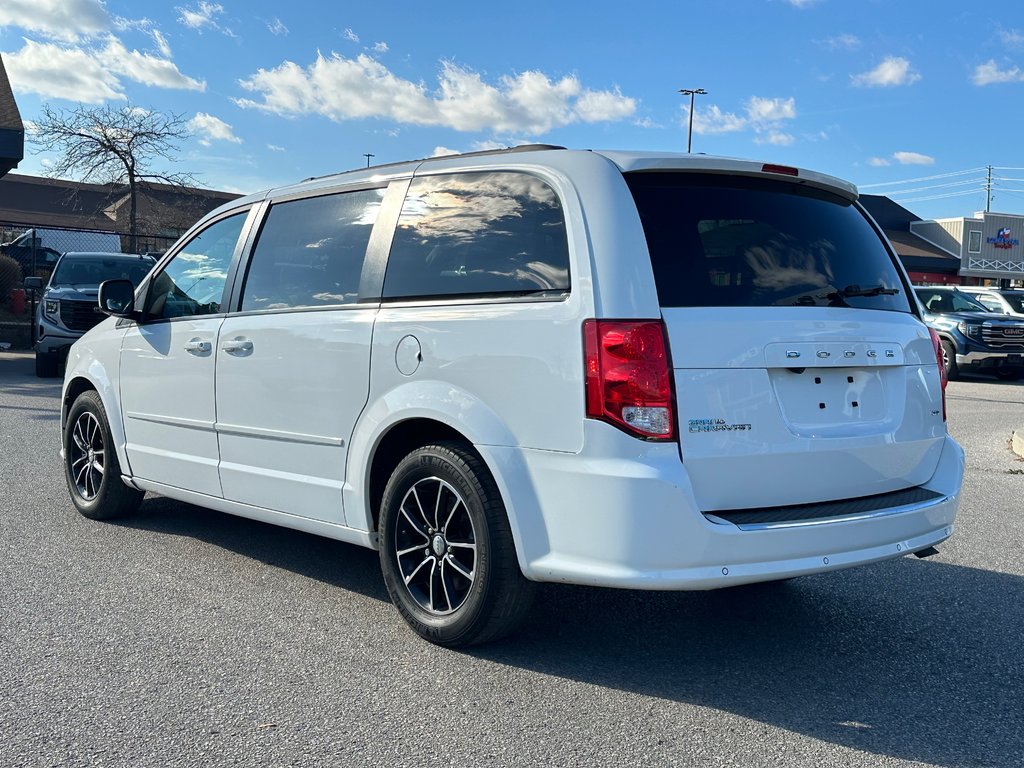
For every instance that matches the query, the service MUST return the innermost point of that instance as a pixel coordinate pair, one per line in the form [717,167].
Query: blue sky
[879,92]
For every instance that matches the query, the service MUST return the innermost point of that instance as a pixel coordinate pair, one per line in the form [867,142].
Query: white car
[621,369]
[1005,301]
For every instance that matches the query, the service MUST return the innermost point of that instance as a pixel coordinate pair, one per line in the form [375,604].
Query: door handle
[198,345]
[237,346]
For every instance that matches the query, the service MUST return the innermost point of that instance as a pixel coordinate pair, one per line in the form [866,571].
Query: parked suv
[1005,301]
[973,337]
[68,307]
[621,369]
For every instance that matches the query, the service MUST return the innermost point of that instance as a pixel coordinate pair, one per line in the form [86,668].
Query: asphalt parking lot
[183,637]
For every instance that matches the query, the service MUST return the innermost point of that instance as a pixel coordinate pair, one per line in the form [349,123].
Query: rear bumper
[634,523]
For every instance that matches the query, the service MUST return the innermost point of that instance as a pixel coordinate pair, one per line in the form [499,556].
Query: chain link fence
[27,251]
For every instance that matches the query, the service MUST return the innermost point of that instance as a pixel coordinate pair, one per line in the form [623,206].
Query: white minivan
[622,369]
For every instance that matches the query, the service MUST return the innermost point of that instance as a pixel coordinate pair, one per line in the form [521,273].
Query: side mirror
[117,298]
[35,283]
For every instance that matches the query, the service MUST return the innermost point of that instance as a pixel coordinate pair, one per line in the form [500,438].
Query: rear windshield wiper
[855,290]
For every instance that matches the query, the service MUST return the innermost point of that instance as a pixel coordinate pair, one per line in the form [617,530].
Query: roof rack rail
[502,151]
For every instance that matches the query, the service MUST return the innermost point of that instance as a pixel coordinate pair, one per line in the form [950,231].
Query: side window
[193,281]
[310,252]
[990,301]
[478,234]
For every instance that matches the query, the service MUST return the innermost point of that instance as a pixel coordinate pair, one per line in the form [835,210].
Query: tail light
[628,376]
[937,346]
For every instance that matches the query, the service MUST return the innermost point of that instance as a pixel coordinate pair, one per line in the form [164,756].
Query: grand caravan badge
[716,425]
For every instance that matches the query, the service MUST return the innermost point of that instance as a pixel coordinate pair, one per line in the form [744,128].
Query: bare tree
[112,144]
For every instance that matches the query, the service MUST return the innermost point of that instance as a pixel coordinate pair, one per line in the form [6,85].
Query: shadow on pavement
[918,660]
[910,659]
[333,562]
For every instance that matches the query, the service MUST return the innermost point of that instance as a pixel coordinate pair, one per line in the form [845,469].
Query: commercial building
[988,245]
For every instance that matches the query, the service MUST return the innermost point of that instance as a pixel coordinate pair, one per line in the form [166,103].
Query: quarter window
[193,281]
[479,234]
[310,252]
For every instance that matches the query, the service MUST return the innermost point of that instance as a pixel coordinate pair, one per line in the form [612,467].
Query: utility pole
[368,155]
[691,92]
[988,191]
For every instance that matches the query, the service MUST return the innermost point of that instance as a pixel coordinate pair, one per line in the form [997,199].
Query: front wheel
[949,360]
[91,468]
[446,549]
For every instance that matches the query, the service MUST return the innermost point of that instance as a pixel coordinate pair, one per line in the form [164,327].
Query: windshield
[734,241]
[949,301]
[94,270]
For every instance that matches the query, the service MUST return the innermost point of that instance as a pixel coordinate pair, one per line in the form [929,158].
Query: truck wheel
[949,360]
[446,549]
[91,468]
[46,365]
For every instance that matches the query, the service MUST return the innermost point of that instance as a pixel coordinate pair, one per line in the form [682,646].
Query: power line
[922,178]
[937,186]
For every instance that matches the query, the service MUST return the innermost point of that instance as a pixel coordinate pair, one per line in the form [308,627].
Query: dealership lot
[183,637]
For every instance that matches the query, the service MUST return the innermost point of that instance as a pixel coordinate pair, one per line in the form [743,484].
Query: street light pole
[691,92]
[368,155]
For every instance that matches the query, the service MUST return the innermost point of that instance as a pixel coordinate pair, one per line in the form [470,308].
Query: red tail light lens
[628,376]
[937,346]
[783,169]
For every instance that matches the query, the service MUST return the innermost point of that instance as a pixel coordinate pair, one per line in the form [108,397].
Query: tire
[91,468]
[446,549]
[949,360]
[47,364]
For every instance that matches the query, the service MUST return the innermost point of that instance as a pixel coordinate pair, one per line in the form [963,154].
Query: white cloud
[380,47]
[90,76]
[161,43]
[277,27]
[912,158]
[61,73]
[442,151]
[211,129]
[647,122]
[348,34]
[894,70]
[345,89]
[713,120]
[989,73]
[802,3]
[770,110]
[66,20]
[201,16]
[275,148]
[844,42]
[764,117]
[1011,38]
[145,68]
[879,162]
[776,138]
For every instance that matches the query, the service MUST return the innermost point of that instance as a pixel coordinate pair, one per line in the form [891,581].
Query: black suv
[974,338]
[68,307]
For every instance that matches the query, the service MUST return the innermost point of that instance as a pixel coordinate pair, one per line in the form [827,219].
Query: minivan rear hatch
[802,373]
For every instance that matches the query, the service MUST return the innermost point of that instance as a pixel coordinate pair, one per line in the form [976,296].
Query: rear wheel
[91,468]
[446,549]
[949,360]
[46,365]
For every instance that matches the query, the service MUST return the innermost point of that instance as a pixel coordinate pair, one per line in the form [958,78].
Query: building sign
[1003,239]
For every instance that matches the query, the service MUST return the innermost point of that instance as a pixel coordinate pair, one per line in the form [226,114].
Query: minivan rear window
[733,241]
